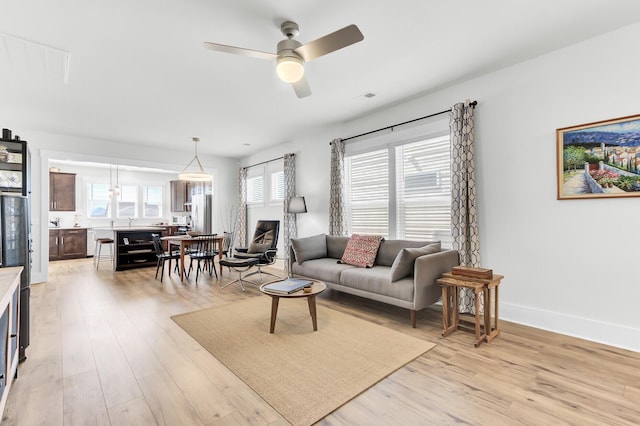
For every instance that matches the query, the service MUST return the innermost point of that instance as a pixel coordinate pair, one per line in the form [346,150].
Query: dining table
[186,240]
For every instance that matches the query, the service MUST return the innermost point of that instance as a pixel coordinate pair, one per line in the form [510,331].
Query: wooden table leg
[449,310]
[274,312]
[445,308]
[456,309]
[312,311]
[476,301]
[182,247]
[487,312]
[495,331]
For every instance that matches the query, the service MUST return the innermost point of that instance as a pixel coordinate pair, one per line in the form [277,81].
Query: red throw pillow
[361,250]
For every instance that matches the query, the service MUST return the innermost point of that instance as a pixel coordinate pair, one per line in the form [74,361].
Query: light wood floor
[104,351]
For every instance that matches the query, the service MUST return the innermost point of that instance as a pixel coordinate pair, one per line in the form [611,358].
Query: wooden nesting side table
[485,331]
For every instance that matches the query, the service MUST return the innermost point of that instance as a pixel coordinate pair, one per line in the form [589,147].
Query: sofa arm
[426,270]
[292,257]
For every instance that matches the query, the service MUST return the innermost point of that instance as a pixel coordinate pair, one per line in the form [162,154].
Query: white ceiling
[137,71]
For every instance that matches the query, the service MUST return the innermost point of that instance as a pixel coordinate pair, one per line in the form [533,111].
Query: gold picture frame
[599,160]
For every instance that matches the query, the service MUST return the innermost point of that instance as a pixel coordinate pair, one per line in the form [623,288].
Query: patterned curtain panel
[290,229]
[337,208]
[242,208]
[464,216]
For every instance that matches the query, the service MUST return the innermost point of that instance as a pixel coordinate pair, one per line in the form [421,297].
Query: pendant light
[199,174]
[116,190]
[110,183]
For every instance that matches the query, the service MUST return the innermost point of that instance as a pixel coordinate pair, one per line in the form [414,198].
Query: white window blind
[277,186]
[423,190]
[368,193]
[255,190]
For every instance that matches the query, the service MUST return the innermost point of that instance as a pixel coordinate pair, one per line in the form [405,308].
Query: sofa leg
[413,318]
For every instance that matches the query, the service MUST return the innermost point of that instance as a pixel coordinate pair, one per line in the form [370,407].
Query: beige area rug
[303,374]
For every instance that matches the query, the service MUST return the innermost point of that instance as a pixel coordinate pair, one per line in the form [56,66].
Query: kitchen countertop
[131,228]
[68,227]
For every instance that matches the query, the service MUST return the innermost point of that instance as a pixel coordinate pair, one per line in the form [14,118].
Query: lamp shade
[297,205]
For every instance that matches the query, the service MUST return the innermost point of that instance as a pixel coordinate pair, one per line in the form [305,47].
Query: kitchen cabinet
[14,165]
[135,249]
[9,329]
[180,196]
[67,243]
[62,192]
[183,190]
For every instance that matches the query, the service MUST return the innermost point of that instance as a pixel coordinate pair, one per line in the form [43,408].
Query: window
[98,200]
[255,190]
[128,201]
[152,201]
[368,193]
[423,194]
[401,191]
[265,184]
[277,186]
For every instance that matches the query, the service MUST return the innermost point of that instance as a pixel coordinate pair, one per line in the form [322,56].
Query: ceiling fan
[292,54]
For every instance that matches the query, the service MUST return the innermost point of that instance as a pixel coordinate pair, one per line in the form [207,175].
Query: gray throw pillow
[403,264]
[308,248]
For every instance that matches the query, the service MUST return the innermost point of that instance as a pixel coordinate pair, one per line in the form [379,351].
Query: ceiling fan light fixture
[290,69]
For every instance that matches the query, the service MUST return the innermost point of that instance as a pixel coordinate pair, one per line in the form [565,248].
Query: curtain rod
[473,104]
[265,162]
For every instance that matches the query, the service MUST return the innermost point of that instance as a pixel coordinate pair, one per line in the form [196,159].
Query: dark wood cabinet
[180,198]
[62,191]
[67,243]
[54,241]
[183,190]
[135,249]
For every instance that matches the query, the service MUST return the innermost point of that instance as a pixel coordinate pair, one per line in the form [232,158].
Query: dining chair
[164,256]
[204,254]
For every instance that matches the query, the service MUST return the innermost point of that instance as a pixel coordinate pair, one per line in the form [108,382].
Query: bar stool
[98,256]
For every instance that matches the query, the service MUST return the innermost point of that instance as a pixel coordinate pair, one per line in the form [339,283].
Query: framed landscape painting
[599,160]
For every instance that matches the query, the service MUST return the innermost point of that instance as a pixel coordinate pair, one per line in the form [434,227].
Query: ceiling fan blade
[239,51]
[301,87]
[330,43]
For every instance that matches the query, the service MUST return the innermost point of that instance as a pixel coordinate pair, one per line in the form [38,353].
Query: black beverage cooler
[15,221]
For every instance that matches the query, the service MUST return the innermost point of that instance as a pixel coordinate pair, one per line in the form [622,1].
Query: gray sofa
[404,272]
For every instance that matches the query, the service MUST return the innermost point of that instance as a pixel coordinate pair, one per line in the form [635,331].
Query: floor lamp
[296,206]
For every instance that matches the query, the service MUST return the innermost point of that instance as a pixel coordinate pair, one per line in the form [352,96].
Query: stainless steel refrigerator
[15,250]
[201,213]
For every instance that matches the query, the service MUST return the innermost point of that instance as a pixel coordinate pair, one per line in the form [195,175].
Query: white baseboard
[596,331]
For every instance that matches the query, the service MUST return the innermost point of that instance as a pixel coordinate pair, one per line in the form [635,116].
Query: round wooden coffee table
[317,287]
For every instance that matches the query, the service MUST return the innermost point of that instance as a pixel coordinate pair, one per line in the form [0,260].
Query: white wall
[569,266]
[46,146]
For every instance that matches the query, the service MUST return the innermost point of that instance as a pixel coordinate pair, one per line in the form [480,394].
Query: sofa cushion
[336,246]
[403,264]
[389,250]
[326,269]
[361,250]
[308,248]
[377,280]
